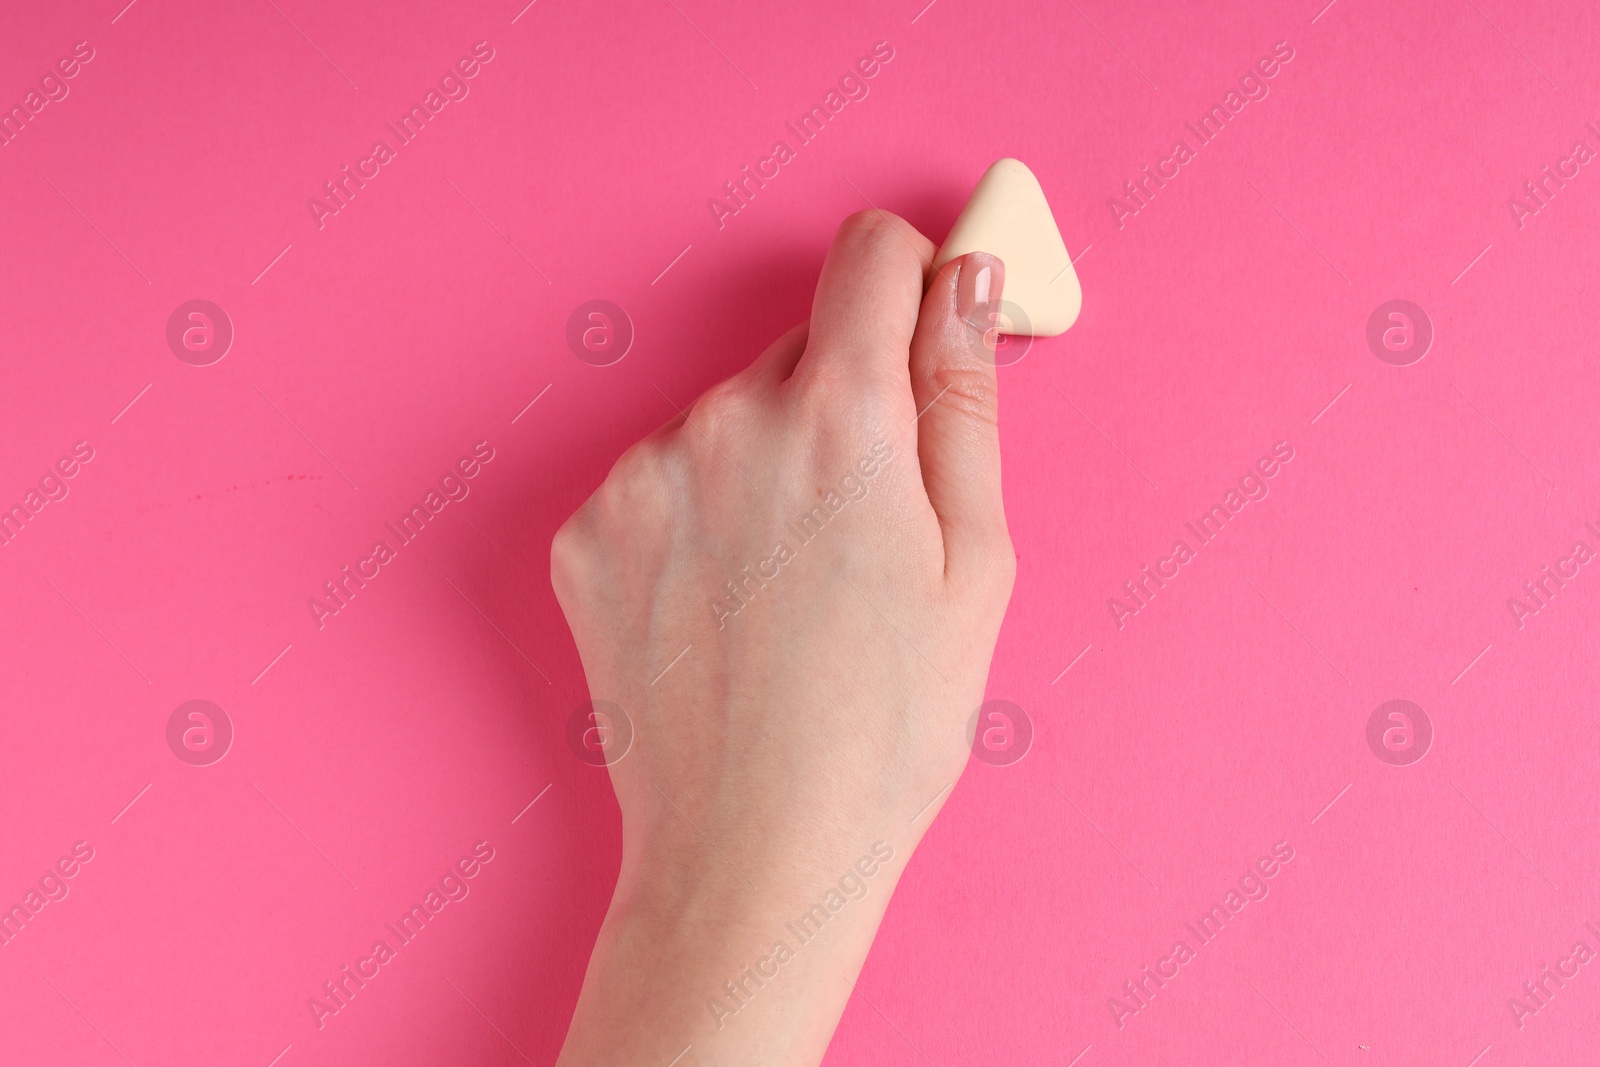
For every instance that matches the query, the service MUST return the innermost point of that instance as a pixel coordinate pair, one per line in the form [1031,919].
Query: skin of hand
[824,533]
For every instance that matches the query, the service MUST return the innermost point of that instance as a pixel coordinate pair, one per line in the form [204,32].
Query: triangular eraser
[1008,216]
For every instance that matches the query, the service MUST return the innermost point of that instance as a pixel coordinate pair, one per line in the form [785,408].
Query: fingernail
[978,289]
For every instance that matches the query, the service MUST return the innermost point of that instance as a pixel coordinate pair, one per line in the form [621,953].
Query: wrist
[743,970]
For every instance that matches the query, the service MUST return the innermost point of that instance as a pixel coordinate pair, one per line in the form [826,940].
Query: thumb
[958,430]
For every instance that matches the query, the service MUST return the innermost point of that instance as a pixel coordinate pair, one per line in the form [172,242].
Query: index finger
[865,309]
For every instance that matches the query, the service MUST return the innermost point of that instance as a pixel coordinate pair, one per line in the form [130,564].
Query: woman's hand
[793,592]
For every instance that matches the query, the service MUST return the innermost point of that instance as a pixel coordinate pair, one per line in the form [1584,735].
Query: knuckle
[632,484]
[569,549]
[869,224]
[834,394]
[883,234]
[635,465]
[728,394]
[597,519]
[725,412]
[822,383]
[630,504]
[967,389]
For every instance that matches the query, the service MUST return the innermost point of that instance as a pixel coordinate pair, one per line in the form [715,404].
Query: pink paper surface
[1174,746]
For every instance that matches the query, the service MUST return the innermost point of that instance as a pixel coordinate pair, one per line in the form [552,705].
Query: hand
[793,591]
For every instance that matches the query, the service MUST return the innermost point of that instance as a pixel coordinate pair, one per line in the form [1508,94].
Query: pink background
[1228,715]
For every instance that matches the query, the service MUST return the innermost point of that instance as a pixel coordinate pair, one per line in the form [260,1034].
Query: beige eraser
[1008,216]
